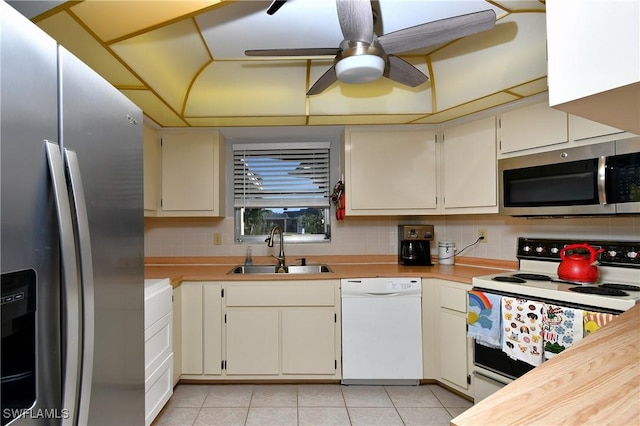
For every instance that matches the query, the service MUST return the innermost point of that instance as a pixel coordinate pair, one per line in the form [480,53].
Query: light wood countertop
[179,269]
[596,382]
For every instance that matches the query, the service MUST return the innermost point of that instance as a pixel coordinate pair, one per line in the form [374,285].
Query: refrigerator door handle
[86,279]
[69,266]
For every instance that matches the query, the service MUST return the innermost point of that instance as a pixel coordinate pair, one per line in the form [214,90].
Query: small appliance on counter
[414,244]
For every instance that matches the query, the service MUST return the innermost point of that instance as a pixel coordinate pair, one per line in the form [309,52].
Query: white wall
[378,235]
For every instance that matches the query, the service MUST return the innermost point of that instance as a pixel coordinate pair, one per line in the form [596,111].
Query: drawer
[158,389]
[274,295]
[453,298]
[157,344]
[158,295]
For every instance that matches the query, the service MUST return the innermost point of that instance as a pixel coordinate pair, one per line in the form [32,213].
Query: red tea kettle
[579,267]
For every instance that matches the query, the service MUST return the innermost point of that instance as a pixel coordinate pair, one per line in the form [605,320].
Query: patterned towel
[522,328]
[561,327]
[484,318]
[593,321]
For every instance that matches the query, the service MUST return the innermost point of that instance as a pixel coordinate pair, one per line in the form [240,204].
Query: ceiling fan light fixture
[360,68]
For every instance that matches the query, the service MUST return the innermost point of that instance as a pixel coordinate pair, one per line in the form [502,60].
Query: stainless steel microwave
[587,180]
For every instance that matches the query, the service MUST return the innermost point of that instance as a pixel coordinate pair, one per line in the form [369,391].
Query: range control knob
[526,249]
[632,254]
[554,250]
[540,250]
[612,253]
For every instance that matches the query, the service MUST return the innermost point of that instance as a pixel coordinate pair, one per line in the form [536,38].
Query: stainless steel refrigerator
[71,238]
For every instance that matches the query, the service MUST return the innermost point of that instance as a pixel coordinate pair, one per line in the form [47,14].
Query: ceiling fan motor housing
[360,62]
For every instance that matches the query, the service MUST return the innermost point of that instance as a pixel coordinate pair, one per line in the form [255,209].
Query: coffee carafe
[414,244]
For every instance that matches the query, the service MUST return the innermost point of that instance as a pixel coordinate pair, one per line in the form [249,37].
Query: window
[284,184]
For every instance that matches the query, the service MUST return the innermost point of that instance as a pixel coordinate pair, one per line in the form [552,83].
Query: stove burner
[533,277]
[627,287]
[599,290]
[509,280]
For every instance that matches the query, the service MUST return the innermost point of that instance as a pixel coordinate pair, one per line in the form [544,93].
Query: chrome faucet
[269,240]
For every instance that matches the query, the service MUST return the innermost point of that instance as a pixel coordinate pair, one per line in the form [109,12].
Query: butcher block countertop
[596,382]
[179,269]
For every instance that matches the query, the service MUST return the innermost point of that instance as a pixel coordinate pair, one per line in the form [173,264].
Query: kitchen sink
[273,269]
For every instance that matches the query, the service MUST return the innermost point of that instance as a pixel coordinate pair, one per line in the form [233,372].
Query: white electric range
[617,290]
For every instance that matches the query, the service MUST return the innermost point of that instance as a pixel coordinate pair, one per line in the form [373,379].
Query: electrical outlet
[217,238]
[483,233]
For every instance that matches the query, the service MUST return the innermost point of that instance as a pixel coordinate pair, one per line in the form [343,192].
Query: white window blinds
[281,175]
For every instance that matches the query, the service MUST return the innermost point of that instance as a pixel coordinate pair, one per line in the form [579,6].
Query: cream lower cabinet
[469,168]
[201,329]
[390,172]
[452,349]
[177,334]
[282,330]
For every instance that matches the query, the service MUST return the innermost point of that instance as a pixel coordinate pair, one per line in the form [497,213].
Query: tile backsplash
[176,237]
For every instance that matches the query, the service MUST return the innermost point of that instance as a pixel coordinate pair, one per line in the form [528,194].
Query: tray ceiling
[182,62]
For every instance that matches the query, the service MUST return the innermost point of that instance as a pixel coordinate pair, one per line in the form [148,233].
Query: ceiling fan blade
[326,80]
[311,51]
[437,32]
[403,72]
[356,19]
[275,5]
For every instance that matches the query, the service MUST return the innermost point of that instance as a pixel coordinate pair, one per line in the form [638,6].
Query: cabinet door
[177,334]
[308,341]
[192,172]
[469,165]
[252,342]
[151,170]
[532,126]
[192,328]
[212,328]
[581,128]
[453,347]
[389,173]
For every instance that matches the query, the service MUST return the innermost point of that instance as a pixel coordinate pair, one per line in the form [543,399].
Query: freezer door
[29,236]
[103,129]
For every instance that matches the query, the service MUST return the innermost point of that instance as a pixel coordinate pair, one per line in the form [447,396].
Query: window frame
[292,144]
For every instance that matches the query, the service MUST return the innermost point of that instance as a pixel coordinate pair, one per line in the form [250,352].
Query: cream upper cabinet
[593,51]
[192,174]
[390,172]
[151,147]
[532,126]
[469,168]
[583,129]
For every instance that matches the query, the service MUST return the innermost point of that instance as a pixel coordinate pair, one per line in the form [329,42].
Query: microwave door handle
[69,281]
[86,280]
[602,180]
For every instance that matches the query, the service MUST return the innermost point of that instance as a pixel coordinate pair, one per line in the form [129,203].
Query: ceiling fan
[364,56]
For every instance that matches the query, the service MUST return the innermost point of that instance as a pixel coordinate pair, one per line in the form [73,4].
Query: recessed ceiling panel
[469,108]
[66,31]
[531,88]
[350,120]
[154,108]
[246,121]
[111,20]
[167,59]
[512,53]
[249,88]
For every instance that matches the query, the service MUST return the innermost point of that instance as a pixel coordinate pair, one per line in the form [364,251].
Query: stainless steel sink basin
[273,269]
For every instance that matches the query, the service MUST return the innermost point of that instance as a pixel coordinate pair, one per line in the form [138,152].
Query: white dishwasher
[381,331]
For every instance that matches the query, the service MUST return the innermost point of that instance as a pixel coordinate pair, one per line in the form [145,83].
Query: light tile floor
[310,404]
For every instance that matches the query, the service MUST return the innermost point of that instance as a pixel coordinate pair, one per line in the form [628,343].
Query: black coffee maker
[414,244]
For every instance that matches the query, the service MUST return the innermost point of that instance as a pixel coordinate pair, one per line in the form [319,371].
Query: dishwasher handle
[383,293]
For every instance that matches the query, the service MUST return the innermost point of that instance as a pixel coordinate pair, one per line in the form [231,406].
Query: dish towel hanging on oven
[522,329]
[484,318]
[593,321]
[561,327]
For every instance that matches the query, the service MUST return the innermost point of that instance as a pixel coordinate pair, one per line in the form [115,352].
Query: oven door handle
[493,379]
[602,180]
